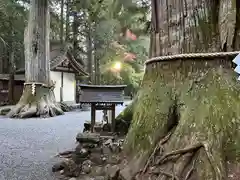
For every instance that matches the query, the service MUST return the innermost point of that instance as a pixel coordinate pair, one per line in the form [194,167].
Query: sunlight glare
[117,66]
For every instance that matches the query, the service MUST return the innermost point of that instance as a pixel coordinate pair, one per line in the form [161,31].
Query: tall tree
[12,66]
[38,97]
[12,14]
[187,112]
[62,39]
[67,19]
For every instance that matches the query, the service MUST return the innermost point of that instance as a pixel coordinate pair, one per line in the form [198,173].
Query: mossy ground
[206,99]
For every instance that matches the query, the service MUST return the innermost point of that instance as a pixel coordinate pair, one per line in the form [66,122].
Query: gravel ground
[28,147]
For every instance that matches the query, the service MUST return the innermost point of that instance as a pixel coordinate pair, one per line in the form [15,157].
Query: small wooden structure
[102,97]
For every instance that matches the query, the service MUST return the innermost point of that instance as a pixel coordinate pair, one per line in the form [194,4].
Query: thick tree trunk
[188,26]
[197,104]
[187,112]
[38,97]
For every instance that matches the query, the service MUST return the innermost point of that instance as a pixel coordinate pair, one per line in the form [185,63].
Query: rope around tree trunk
[192,56]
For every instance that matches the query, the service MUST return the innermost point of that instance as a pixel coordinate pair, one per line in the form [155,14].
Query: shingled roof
[58,54]
[101,94]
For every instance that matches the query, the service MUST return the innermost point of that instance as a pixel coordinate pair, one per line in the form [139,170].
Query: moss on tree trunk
[127,113]
[124,119]
[186,122]
[188,115]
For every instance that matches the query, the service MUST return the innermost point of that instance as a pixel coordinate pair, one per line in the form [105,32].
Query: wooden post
[113,118]
[109,114]
[93,116]
[61,88]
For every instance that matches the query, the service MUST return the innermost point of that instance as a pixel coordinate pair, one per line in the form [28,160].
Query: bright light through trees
[117,66]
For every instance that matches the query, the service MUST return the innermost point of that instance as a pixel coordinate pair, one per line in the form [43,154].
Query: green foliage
[104,21]
[130,73]
[107,21]
[13,16]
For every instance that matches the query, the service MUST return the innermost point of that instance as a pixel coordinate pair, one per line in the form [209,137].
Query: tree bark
[67,19]
[62,22]
[124,119]
[11,65]
[186,117]
[62,38]
[97,64]
[187,26]
[98,71]
[38,98]
[90,52]
[11,79]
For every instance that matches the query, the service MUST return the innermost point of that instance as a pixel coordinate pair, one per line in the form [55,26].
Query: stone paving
[28,147]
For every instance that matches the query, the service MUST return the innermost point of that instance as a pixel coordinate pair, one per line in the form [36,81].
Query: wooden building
[64,70]
[102,97]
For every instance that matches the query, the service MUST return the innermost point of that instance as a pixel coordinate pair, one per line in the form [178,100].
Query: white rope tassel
[33,89]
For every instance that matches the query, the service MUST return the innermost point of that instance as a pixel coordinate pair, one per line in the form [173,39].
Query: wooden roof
[58,55]
[92,94]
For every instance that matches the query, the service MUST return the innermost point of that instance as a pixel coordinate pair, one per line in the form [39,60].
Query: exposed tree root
[157,148]
[187,165]
[170,175]
[40,104]
[190,171]
[179,152]
[65,107]
[4,111]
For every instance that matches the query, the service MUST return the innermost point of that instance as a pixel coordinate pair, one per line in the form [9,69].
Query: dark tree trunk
[97,57]
[67,19]
[11,65]
[75,26]
[11,81]
[90,53]
[62,22]
[98,73]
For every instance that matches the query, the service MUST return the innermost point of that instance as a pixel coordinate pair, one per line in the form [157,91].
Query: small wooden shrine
[102,97]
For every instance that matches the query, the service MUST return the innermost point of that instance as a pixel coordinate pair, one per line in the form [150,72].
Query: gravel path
[27,147]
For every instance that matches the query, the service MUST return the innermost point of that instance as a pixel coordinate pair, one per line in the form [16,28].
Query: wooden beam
[103,107]
[64,68]
[61,70]
[61,88]
[93,117]
[113,118]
